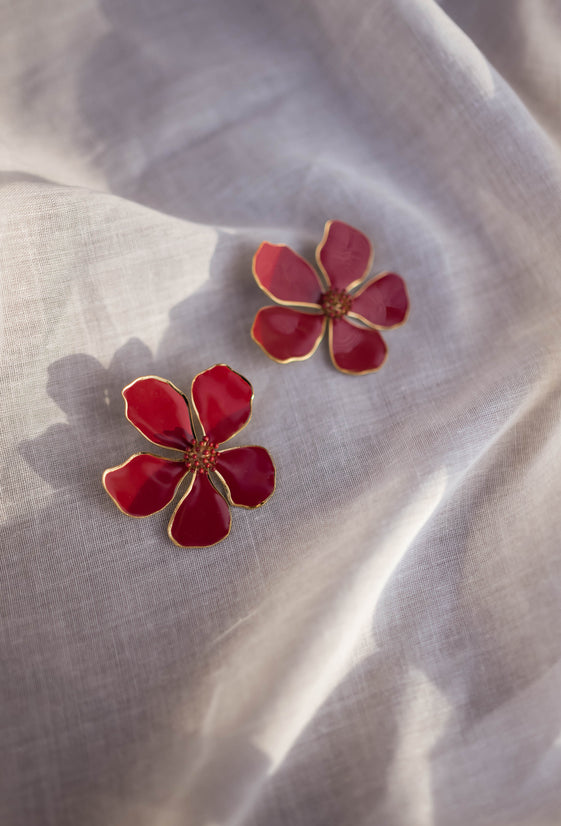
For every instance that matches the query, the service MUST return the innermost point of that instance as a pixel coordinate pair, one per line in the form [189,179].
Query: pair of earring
[340,300]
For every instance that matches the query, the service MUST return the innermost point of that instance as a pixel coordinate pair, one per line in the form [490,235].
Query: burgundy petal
[287,335]
[249,474]
[160,411]
[222,399]
[344,255]
[202,517]
[383,302]
[285,276]
[144,484]
[355,349]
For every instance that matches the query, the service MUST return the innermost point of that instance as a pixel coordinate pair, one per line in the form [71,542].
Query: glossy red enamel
[287,334]
[356,349]
[202,517]
[249,474]
[383,302]
[222,399]
[285,275]
[144,484]
[159,411]
[344,254]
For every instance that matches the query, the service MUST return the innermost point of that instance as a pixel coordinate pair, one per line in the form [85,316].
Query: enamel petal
[284,276]
[159,411]
[382,303]
[344,255]
[249,474]
[222,399]
[144,484]
[354,349]
[202,518]
[287,335]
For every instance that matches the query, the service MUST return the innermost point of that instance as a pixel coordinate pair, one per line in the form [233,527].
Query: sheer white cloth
[378,645]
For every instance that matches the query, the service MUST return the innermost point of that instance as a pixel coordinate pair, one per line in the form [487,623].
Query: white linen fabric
[380,643]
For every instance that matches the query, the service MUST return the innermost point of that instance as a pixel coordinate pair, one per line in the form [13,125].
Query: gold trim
[118,467]
[321,245]
[281,301]
[221,364]
[183,498]
[228,493]
[292,358]
[365,287]
[352,372]
[171,384]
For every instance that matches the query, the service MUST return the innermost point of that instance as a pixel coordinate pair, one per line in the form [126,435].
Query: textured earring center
[200,457]
[336,303]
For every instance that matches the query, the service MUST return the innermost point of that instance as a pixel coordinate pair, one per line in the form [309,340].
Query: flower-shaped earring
[145,483]
[353,310]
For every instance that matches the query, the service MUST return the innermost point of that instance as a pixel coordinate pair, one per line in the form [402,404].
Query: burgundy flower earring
[353,309]
[145,484]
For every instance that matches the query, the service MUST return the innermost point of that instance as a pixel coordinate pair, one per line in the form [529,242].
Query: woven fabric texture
[379,645]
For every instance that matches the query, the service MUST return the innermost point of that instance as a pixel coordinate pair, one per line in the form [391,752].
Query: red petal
[202,517]
[382,303]
[144,484]
[284,276]
[222,398]
[160,411]
[355,349]
[287,335]
[344,255]
[249,474]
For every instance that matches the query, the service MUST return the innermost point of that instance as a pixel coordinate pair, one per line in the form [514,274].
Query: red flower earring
[145,484]
[353,309]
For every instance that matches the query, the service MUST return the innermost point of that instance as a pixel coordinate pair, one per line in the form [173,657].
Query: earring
[353,309]
[216,477]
